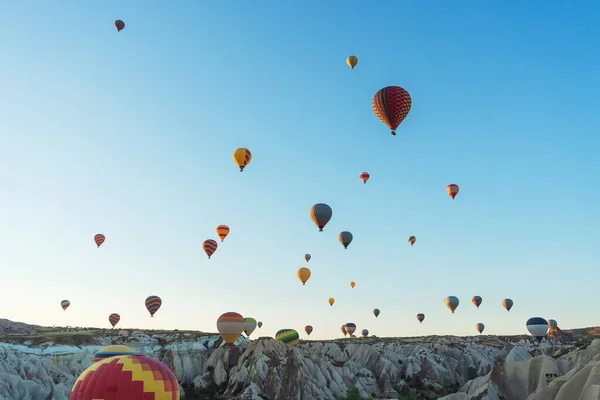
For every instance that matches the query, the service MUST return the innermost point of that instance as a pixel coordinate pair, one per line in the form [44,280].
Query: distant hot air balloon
[242,157]
[303,274]
[249,326]
[320,214]
[343,329]
[259,324]
[307,257]
[364,176]
[391,105]
[476,300]
[308,329]
[365,332]
[480,327]
[331,301]
[111,351]
[352,284]
[209,246]
[452,190]
[119,25]
[222,231]
[507,303]
[552,323]
[153,303]
[65,304]
[288,336]
[412,240]
[376,312]
[99,239]
[537,327]
[114,319]
[451,303]
[352,61]
[345,238]
[420,317]
[230,326]
[350,328]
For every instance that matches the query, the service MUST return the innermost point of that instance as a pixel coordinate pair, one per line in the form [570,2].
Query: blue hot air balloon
[538,327]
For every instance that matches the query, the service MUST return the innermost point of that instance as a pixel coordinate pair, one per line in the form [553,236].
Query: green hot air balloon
[320,214]
[288,336]
[345,238]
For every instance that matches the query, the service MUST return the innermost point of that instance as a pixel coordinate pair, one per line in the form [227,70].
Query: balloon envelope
[352,61]
[365,332]
[209,246]
[420,317]
[412,240]
[288,336]
[451,302]
[230,326]
[114,319]
[320,214]
[308,329]
[222,231]
[331,301]
[507,303]
[99,239]
[113,350]
[552,323]
[537,327]
[345,238]
[153,303]
[376,312]
[303,274]
[391,105]
[350,328]
[119,25]
[249,326]
[452,190]
[480,327]
[307,257]
[65,304]
[476,300]
[242,157]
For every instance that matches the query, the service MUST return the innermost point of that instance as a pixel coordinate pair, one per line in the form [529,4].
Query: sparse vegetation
[353,394]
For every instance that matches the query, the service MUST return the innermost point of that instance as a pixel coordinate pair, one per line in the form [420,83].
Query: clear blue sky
[130,134]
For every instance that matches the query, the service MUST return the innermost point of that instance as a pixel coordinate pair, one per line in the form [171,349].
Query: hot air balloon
[331,301]
[343,329]
[259,324]
[119,25]
[249,326]
[420,317]
[480,327]
[350,328]
[308,329]
[222,231]
[320,214]
[452,190]
[476,300]
[307,257]
[209,246]
[345,238]
[230,326]
[65,304]
[507,303]
[288,336]
[99,239]
[242,157]
[111,351]
[364,176]
[537,327]
[365,332]
[303,274]
[412,240]
[114,319]
[352,284]
[352,61]
[552,323]
[451,303]
[376,312]
[126,377]
[391,105]
[153,303]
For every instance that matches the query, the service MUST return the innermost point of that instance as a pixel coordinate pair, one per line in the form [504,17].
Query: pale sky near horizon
[130,134]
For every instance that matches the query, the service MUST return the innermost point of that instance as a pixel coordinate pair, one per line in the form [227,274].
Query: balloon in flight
[365,332]
[320,214]
[350,328]
[364,176]
[345,238]
[480,327]
[307,257]
[331,301]
[65,304]
[343,329]
[451,302]
[376,312]
[352,61]
[222,231]
[303,274]
[119,25]
[209,246]
[476,300]
[230,326]
[412,240]
[111,351]
[507,303]
[99,239]
[242,158]
[249,326]
[452,190]
[260,324]
[308,329]
[114,319]
[537,327]
[153,303]
[288,336]
[391,105]
[352,284]
[420,317]
[552,323]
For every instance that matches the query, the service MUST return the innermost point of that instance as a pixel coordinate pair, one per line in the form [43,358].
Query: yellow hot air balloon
[331,301]
[242,157]
[352,61]
[303,274]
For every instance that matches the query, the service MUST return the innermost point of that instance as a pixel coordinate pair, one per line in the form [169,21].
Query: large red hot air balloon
[391,105]
[209,246]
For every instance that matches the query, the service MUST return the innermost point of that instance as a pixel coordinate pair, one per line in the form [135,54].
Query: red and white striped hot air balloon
[364,176]
[99,239]
[209,246]
[452,190]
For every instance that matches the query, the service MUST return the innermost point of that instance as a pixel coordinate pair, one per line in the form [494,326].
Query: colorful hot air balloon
[537,327]
[345,238]
[119,25]
[307,257]
[480,327]
[452,190]
[552,323]
[260,324]
[352,61]
[343,329]
[230,326]
[242,157]
[476,300]
[209,246]
[111,351]
[126,377]
[507,303]
[99,239]
[365,332]
[391,105]
[153,303]
[331,301]
[288,336]
[308,329]
[412,240]
[320,214]
[376,312]
[451,303]
[114,319]
[352,284]
[303,274]
[222,231]
[350,328]
[420,317]
[364,176]
[65,304]
[249,326]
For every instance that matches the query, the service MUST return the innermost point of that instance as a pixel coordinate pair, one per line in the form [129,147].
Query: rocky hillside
[42,363]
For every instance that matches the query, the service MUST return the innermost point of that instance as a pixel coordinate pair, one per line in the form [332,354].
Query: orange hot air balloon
[99,239]
[452,190]
[477,301]
[153,303]
[242,157]
[209,246]
[120,25]
[412,240]
[114,319]
[222,231]
[230,326]
[364,176]
[308,329]
[303,274]
[352,284]
[331,301]
[391,105]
